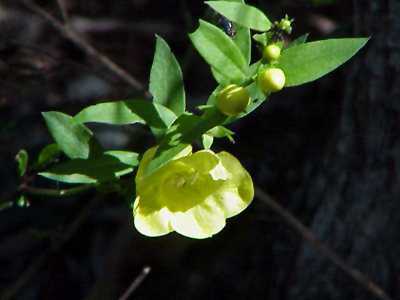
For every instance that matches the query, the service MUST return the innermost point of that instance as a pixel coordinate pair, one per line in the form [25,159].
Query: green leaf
[310,61]
[245,15]
[22,161]
[243,41]
[253,69]
[221,132]
[242,38]
[219,77]
[300,40]
[127,157]
[220,52]
[166,82]
[207,140]
[107,167]
[74,139]
[184,132]
[261,38]
[128,112]
[47,154]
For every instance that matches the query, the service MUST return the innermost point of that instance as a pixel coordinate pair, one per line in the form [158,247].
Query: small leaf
[245,15]
[47,154]
[300,40]
[207,141]
[261,38]
[22,161]
[220,52]
[221,132]
[310,61]
[127,157]
[166,82]
[253,69]
[128,112]
[73,138]
[107,167]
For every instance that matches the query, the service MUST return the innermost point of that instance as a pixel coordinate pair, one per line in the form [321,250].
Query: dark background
[327,151]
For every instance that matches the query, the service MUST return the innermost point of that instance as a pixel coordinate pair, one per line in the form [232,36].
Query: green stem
[33,191]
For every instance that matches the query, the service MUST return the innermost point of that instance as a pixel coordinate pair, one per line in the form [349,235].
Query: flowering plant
[177,190]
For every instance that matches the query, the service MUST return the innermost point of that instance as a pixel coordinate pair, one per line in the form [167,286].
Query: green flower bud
[272,52]
[271,80]
[192,194]
[285,24]
[233,100]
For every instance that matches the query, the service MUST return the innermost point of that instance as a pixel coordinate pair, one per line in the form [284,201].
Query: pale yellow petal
[199,222]
[237,192]
[151,220]
[229,201]
[202,161]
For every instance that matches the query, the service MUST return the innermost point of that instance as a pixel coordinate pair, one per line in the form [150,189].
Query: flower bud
[271,80]
[233,100]
[271,52]
[285,24]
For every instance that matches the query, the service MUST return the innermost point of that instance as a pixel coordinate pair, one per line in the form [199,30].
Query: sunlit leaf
[166,82]
[107,167]
[243,14]
[310,61]
[73,138]
[220,52]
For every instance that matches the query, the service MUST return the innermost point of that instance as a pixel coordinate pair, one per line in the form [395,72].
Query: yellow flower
[192,194]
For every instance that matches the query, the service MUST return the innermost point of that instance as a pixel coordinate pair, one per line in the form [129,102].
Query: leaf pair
[79,144]
[301,63]
[88,163]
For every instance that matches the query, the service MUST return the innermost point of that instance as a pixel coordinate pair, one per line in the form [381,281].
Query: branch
[63,10]
[70,34]
[324,250]
[136,283]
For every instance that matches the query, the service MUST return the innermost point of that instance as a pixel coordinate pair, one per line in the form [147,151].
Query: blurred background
[327,151]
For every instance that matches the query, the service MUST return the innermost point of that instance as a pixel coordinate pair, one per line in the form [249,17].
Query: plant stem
[33,191]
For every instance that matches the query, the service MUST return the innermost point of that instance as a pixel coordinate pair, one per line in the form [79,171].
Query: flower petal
[206,161]
[237,192]
[229,201]
[199,222]
[202,161]
[150,219]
